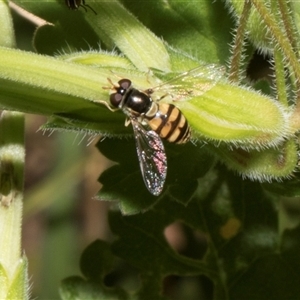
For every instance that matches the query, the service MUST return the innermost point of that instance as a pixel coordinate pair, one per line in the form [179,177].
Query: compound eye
[124,84]
[115,99]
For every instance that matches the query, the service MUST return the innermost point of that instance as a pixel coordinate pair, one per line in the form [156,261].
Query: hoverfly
[75,4]
[165,120]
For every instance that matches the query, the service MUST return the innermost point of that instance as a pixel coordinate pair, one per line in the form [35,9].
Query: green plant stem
[288,23]
[280,79]
[139,44]
[14,283]
[7,37]
[12,156]
[287,49]
[237,49]
[281,38]
[293,36]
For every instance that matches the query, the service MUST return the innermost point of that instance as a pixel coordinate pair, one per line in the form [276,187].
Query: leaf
[96,262]
[286,188]
[193,27]
[241,227]
[7,37]
[124,183]
[278,270]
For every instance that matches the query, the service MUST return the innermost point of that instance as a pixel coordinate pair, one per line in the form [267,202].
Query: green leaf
[278,271]
[241,227]
[77,288]
[286,188]
[124,183]
[149,252]
[7,37]
[62,36]
[191,27]
[96,262]
[136,41]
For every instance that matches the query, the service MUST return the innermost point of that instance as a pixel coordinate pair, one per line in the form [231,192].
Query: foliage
[234,230]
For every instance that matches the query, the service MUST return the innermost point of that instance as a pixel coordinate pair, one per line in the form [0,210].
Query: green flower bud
[274,163]
[237,116]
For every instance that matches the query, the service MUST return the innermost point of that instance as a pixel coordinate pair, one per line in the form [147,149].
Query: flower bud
[237,116]
[274,163]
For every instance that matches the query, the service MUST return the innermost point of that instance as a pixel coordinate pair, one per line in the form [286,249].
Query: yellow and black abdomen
[170,124]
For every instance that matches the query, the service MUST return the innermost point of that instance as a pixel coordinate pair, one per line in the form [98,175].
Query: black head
[117,97]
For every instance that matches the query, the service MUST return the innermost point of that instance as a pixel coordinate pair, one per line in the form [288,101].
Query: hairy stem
[281,38]
[280,79]
[237,49]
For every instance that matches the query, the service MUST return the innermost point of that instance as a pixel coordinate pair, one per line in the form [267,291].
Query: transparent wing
[189,84]
[152,157]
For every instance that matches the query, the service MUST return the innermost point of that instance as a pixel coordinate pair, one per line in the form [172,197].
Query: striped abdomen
[170,124]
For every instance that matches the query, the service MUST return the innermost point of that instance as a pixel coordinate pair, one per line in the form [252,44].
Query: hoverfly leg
[86,5]
[112,85]
[162,97]
[151,91]
[106,104]
[116,75]
[127,122]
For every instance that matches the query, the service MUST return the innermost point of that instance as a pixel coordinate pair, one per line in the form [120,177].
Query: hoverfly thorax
[137,102]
